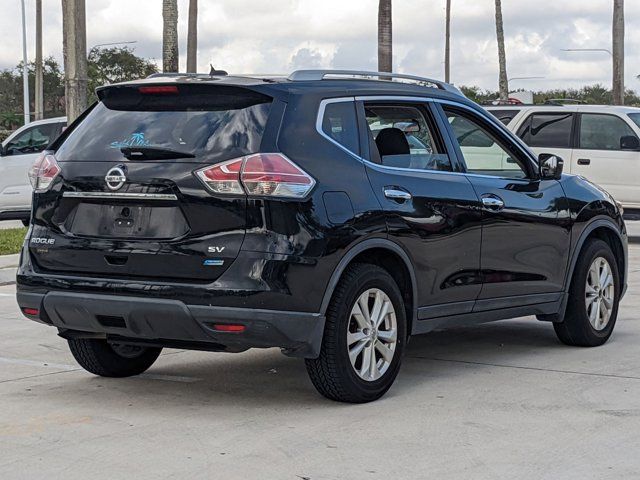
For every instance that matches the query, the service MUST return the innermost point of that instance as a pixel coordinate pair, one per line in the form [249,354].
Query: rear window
[212,124]
[505,116]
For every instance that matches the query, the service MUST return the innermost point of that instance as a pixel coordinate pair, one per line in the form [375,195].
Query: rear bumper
[169,323]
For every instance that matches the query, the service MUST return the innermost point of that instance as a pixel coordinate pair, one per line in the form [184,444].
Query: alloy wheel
[599,293]
[372,334]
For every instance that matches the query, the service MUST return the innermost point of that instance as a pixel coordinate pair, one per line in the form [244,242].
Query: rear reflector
[32,312]
[261,174]
[159,90]
[43,171]
[226,327]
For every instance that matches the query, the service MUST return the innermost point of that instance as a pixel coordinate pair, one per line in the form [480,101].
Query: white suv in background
[17,155]
[601,143]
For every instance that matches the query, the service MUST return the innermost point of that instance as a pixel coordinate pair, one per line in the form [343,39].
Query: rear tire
[361,352]
[101,358]
[592,308]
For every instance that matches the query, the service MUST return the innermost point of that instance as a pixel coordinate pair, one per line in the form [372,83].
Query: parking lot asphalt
[502,400]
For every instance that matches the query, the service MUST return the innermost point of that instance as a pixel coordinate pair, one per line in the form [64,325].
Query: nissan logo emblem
[115,178]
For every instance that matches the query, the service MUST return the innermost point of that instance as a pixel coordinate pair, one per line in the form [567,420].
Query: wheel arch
[388,255]
[607,231]
[603,229]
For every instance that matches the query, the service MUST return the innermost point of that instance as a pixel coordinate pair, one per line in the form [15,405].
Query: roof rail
[311,75]
[564,101]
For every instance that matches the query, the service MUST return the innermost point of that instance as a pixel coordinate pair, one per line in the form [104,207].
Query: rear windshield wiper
[153,153]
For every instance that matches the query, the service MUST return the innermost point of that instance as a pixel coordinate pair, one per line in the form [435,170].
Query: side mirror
[550,166]
[629,142]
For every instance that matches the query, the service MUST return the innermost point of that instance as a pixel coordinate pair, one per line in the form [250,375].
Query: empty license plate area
[126,221]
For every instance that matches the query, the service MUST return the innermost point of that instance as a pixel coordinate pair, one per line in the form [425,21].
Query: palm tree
[170,35]
[385,50]
[618,52]
[447,43]
[74,51]
[192,37]
[502,58]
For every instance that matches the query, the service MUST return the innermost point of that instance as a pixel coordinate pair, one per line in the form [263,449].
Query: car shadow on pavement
[262,378]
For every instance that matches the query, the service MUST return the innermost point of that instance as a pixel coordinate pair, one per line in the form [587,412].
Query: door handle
[584,161]
[492,202]
[395,193]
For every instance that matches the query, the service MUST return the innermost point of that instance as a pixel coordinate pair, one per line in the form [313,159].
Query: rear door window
[405,136]
[548,130]
[210,124]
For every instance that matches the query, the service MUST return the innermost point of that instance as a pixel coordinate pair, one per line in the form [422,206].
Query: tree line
[104,66]
[118,64]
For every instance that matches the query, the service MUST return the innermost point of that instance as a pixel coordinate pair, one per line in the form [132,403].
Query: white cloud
[279,35]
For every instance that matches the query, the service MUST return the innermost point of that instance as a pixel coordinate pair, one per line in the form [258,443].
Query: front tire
[364,337]
[106,360]
[592,308]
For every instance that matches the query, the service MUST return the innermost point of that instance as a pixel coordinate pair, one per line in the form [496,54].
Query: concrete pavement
[10,224]
[633,230]
[8,264]
[502,400]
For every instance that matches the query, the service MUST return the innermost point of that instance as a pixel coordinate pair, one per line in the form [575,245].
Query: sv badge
[215,249]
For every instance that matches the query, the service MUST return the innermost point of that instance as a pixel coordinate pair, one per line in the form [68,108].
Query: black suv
[332,214]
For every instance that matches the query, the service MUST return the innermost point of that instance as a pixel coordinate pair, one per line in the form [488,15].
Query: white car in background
[601,143]
[17,155]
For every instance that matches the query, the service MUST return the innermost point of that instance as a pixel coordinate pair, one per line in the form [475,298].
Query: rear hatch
[127,203]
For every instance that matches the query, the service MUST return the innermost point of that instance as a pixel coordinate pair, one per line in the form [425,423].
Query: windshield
[210,135]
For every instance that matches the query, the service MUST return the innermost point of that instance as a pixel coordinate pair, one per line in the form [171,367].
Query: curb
[8,276]
[9,261]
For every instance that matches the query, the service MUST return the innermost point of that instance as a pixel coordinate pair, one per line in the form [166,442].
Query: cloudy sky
[277,36]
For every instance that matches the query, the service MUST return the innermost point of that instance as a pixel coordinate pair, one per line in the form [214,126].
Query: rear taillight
[223,177]
[274,174]
[159,90]
[43,172]
[261,174]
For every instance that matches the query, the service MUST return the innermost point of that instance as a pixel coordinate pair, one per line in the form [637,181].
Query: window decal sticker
[136,140]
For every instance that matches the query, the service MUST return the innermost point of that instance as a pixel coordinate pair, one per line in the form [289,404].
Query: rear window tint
[547,130]
[212,126]
[505,116]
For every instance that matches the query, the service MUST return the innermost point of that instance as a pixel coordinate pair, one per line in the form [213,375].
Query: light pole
[613,68]
[524,78]
[587,50]
[25,68]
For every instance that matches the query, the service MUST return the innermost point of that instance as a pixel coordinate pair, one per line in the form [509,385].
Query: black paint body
[456,261]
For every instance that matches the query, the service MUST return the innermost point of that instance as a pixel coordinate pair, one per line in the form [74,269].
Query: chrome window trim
[121,196]
[380,167]
[320,118]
